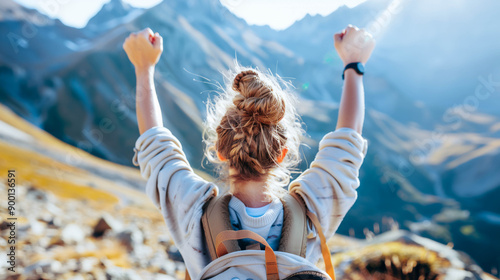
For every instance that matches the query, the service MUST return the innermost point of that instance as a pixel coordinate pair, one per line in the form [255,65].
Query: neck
[252,193]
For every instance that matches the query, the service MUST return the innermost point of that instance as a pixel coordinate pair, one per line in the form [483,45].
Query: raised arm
[353,45]
[144,49]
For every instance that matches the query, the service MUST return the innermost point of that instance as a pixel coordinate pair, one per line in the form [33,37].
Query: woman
[253,132]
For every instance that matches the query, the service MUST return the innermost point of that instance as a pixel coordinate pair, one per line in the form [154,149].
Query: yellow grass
[45,173]
[391,260]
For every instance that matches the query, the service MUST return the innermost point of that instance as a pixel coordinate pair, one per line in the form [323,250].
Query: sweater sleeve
[329,186]
[171,183]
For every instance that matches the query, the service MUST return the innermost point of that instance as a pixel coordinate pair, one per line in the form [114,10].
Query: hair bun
[249,74]
[257,100]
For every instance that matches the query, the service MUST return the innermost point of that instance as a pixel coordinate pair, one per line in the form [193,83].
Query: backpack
[231,262]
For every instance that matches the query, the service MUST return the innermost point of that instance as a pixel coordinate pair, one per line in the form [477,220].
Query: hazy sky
[279,14]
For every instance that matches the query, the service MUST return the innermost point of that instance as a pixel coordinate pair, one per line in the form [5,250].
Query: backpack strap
[229,235]
[215,220]
[294,231]
[325,251]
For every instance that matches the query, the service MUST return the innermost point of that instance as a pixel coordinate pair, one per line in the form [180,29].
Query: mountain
[112,14]
[433,152]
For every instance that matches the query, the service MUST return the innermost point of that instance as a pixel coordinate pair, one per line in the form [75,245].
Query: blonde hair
[249,123]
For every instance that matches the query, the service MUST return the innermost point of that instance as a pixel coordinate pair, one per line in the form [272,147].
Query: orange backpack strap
[215,220]
[230,235]
[294,231]
[325,251]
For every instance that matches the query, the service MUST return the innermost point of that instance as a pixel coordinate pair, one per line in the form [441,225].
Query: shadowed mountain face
[432,94]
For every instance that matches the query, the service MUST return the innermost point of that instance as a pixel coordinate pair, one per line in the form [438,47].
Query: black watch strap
[357,66]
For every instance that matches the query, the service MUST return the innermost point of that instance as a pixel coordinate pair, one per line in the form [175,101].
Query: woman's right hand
[143,48]
[354,45]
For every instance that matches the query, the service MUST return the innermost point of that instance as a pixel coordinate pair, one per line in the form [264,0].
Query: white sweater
[268,225]
[328,188]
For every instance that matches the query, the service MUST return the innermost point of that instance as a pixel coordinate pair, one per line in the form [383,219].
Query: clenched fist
[354,45]
[143,48]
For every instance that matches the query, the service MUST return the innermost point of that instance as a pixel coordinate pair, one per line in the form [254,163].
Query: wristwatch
[357,66]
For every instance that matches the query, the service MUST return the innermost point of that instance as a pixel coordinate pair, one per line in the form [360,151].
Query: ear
[221,157]
[283,155]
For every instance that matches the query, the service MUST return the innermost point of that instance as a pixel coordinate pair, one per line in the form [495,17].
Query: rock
[131,237]
[77,277]
[141,255]
[54,210]
[180,266]
[44,242]
[107,263]
[71,265]
[4,225]
[51,220]
[86,265]
[13,277]
[174,254]
[105,223]
[117,273]
[99,274]
[163,277]
[3,242]
[52,232]
[43,266]
[72,234]
[162,262]
[55,241]
[168,267]
[164,240]
[87,245]
[454,274]
[37,228]
[38,195]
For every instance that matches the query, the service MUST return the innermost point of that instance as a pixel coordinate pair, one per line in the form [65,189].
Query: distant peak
[117,4]
[11,10]
[111,11]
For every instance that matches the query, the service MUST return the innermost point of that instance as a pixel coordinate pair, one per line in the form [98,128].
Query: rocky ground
[75,239]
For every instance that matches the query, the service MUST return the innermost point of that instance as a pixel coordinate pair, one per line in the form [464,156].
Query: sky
[278,14]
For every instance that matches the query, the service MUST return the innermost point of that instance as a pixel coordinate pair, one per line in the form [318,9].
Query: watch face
[361,68]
